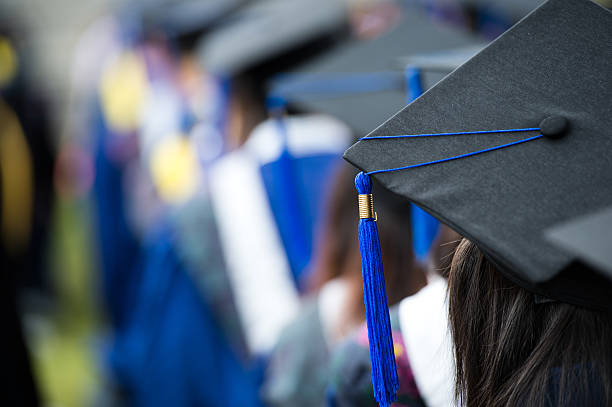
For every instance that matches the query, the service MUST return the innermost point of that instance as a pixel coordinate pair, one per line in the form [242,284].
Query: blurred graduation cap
[589,238]
[514,141]
[267,29]
[186,17]
[435,65]
[361,83]
[546,79]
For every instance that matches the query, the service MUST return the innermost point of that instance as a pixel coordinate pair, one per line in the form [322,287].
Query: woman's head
[515,348]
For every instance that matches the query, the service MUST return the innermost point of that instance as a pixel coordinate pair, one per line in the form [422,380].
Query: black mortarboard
[360,82]
[267,29]
[550,73]
[589,238]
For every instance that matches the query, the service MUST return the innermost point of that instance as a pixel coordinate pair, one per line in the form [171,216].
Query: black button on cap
[554,126]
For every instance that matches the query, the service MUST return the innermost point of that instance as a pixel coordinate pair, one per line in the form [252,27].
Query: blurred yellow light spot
[174,168]
[123,89]
[398,350]
[8,61]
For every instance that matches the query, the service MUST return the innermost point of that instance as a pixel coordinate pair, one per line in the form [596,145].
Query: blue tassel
[384,373]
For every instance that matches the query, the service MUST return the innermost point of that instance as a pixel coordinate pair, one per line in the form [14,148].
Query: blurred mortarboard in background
[589,238]
[513,10]
[491,18]
[550,73]
[185,17]
[267,29]
[435,65]
[357,82]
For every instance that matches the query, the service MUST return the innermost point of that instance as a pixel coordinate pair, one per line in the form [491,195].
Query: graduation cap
[513,142]
[185,17]
[267,29]
[361,82]
[589,238]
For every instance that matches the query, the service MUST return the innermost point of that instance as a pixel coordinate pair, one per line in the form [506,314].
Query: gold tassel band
[366,206]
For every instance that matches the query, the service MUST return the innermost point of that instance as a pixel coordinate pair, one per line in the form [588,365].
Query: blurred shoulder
[350,381]
[296,373]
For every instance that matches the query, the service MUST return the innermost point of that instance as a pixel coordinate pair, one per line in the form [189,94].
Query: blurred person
[133,102]
[421,339]
[114,109]
[299,367]
[264,193]
[128,99]
[338,257]
[266,199]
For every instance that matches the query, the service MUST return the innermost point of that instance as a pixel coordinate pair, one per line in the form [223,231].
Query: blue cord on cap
[456,157]
[460,133]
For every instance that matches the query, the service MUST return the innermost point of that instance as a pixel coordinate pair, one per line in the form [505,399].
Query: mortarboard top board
[589,238]
[266,29]
[360,82]
[556,62]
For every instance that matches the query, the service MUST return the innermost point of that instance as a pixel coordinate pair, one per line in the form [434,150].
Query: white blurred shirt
[425,330]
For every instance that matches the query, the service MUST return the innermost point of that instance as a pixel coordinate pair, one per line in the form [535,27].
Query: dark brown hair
[338,254]
[513,348]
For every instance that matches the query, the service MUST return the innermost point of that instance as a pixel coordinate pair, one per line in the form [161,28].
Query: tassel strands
[384,373]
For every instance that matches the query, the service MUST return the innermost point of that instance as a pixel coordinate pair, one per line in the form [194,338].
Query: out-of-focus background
[168,178]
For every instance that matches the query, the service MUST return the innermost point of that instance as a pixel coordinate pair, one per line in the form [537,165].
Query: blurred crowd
[183,230]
